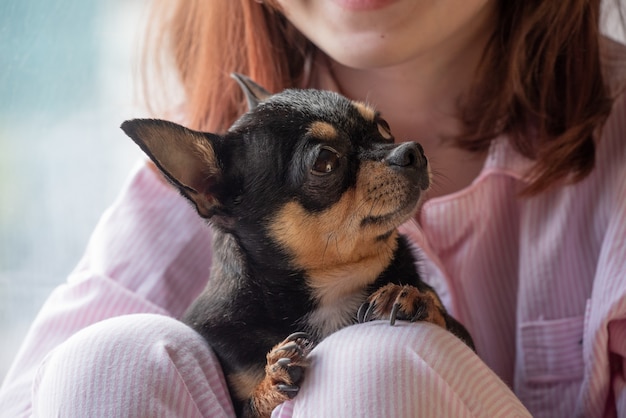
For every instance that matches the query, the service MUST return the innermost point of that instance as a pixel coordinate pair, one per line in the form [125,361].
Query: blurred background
[67,81]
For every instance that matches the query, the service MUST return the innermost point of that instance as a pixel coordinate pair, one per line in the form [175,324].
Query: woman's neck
[420,99]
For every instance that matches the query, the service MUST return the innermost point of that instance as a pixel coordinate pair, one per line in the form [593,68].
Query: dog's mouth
[391,220]
[393,197]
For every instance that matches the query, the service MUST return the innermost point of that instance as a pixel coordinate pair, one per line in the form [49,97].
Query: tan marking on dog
[266,398]
[323,130]
[256,387]
[338,259]
[408,299]
[366,111]
[245,383]
[186,156]
[260,386]
[428,298]
[171,147]
[339,254]
[436,301]
[208,157]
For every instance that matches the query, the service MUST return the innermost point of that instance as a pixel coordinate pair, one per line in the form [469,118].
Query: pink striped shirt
[539,282]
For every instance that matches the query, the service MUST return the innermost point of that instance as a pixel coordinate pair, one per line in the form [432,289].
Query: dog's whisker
[337,246]
[374,202]
[356,216]
[439,180]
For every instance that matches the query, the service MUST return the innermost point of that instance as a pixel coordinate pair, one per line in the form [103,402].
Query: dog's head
[309,173]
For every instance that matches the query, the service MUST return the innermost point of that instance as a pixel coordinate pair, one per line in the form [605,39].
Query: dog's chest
[330,317]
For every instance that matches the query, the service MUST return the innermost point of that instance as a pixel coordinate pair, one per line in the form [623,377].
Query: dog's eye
[384,130]
[327,161]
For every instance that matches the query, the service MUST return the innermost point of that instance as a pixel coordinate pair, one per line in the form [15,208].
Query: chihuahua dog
[305,193]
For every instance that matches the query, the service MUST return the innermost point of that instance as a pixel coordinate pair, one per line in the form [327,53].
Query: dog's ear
[186,157]
[254,93]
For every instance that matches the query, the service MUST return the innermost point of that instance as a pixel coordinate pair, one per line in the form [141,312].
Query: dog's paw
[286,364]
[406,302]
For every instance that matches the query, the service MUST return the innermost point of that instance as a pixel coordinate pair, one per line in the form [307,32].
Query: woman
[521,110]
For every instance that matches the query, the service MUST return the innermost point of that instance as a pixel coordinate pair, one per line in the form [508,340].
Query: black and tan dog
[305,193]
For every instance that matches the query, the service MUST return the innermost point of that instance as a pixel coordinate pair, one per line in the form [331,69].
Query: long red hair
[540,79]
[206,41]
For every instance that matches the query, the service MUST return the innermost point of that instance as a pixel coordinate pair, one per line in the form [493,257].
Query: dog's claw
[286,366]
[295,373]
[284,362]
[396,302]
[290,347]
[368,312]
[394,313]
[360,315]
[420,313]
[290,390]
[298,336]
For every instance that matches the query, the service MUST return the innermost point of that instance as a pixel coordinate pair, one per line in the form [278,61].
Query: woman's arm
[149,253]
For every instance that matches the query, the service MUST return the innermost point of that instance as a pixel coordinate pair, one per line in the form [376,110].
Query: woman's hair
[540,79]
[205,41]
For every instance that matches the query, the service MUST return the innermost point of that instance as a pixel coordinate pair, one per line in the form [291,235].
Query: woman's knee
[410,369]
[138,364]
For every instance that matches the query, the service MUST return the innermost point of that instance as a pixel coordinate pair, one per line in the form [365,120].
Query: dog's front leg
[284,371]
[406,302]
[394,301]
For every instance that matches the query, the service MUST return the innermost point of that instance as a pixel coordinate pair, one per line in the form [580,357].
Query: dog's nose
[407,155]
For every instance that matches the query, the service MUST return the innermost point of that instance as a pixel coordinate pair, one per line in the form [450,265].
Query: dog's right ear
[186,157]
[253,92]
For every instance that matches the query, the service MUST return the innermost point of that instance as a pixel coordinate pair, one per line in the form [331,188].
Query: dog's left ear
[254,93]
[186,157]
